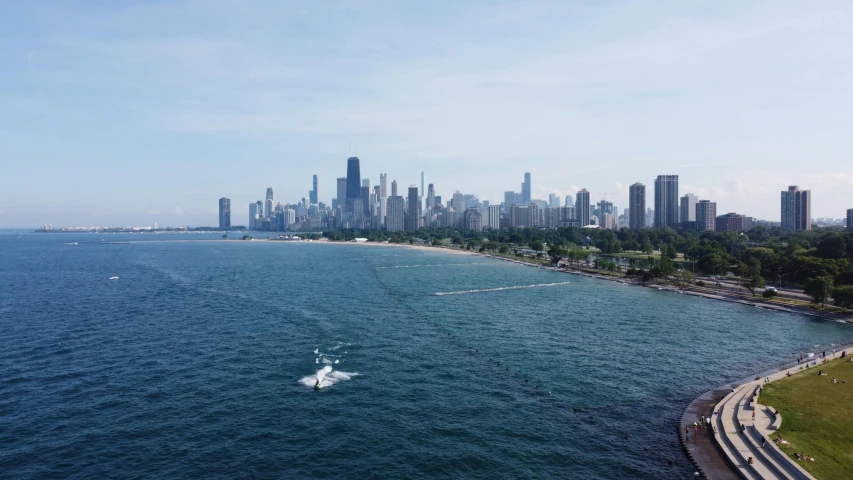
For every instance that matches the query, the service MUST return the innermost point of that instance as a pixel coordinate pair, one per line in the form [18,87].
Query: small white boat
[113,278]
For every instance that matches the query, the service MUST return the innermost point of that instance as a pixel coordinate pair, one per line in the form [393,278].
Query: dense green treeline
[820,260]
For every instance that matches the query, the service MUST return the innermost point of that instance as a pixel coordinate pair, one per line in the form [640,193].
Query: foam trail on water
[500,289]
[327,377]
[432,265]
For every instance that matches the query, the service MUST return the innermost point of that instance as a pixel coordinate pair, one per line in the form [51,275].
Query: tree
[669,252]
[503,248]
[752,281]
[536,246]
[843,296]
[818,288]
[684,278]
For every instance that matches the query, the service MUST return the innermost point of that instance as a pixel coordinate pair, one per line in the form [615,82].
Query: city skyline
[739,100]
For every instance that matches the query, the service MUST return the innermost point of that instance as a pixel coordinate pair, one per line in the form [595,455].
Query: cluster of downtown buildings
[358,206]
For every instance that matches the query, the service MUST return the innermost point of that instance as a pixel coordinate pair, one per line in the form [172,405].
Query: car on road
[719,284]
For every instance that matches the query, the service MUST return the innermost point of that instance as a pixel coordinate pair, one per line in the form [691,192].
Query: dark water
[197,363]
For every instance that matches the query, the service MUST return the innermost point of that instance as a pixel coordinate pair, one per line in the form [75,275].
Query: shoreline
[757,301]
[702,449]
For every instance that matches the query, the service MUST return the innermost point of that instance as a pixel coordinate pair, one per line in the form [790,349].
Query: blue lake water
[200,361]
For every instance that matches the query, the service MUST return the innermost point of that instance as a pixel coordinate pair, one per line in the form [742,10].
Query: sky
[121,113]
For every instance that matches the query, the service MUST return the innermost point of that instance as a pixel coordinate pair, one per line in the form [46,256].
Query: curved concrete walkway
[739,434]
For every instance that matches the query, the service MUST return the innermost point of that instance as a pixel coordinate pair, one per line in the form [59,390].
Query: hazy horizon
[120,115]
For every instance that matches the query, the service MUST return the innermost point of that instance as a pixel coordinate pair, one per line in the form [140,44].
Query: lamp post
[780,279]
[714,269]
[824,291]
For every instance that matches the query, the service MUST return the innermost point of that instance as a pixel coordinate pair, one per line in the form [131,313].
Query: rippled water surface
[201,360]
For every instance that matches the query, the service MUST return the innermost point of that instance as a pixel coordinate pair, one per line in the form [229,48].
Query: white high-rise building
[688,207]
[383,185]
[494,217]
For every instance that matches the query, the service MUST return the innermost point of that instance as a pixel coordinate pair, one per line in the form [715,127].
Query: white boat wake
[431,265]
[500,289]
[326,377]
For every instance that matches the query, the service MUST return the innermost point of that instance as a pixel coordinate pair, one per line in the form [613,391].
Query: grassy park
[817,417]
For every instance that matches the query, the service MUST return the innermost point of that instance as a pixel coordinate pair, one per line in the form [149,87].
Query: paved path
[742,423]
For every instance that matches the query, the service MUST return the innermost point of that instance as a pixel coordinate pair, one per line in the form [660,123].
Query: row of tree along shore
[819,261]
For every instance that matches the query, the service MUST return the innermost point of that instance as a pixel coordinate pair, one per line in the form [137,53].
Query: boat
[113,278]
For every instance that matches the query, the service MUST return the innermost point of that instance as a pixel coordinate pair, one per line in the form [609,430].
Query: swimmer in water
[317,385]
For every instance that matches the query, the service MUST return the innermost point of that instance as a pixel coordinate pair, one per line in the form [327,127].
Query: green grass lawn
[817,417]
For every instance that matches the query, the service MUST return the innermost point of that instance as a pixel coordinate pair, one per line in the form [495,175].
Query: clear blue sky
[123,112]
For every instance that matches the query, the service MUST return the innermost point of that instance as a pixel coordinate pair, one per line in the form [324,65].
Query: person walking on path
[763,441]
[753,415]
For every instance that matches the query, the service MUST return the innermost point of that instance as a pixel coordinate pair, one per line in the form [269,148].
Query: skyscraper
[430,201]
[796,209]
[422,183]
[394,188]
[458,202]
[688,208]
[224,214]
[394,220]
[365,197]
[413,216]
[260,205]
[525,189]
[553,200]
[666,201]
[850,219]
[353,182]
[342,192]
[313,194]
[268,211]
[570,202]
[494,218]
[706,216]
[582,207]
[383,185]
[509,200]
[637,206]
[473,219]
[253,216]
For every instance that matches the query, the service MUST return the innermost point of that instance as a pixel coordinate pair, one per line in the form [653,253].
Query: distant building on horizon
[666,201]
[734,222]
[582,208]
[796,209]
[554,200]
[413,216]
[353,183]
[224,213]
[850,218]
[313,194]
[706,216]
[688,208]
[525,189]
[494,217]
[253,216]
[394,188]
[637,206]
[267,213]
[396,215]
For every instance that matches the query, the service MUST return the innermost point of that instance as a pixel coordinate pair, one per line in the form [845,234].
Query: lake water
[200,362]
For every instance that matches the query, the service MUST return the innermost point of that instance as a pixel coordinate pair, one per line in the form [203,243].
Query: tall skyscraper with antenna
[268,203]
[353,182]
